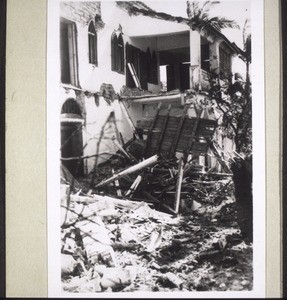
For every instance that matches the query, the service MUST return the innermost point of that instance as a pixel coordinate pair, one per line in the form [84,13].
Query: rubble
[139,248]
[153,221]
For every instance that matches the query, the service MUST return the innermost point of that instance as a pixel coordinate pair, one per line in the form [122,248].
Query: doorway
[72,137]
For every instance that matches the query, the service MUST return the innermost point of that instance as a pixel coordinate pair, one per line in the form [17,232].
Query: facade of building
[108,50]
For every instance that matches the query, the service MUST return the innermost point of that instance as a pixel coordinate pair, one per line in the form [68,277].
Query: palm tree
[246,55]
[199,17]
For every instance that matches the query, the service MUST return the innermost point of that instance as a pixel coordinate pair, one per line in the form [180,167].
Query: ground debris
[138,242]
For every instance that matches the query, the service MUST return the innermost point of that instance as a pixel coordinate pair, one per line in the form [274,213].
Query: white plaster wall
[145,26]
[91,77]
[95,119]
[173,41]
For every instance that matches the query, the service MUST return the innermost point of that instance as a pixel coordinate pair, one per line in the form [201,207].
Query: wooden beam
[163,129]
[117,185]
[131,158]
[134,186]
[151,128]
[193,132]
[178,131]
[134,75]
[141,165]
[157,99]
[178,184]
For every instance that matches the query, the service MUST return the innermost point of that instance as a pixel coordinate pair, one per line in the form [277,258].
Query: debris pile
[126,245]
[156,181]
[150,218]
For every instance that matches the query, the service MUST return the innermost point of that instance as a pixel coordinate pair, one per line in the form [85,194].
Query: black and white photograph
[155,149]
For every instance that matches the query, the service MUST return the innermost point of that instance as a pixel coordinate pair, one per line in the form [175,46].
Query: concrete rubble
[120,245]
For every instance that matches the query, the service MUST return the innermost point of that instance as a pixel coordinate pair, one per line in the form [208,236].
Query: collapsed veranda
[132,132]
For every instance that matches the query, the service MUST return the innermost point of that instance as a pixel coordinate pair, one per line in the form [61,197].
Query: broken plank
[178,132]
[151,127]
[164,128]
[134,186]
[123,150]
[191,138]
[156,99]
[117,185]
[141,165]
[178,184]
[134,75]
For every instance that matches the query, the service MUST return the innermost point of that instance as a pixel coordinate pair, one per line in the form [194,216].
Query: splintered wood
[113,245]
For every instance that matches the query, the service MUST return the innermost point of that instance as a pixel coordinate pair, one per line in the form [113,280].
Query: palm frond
[226,23]
[208,5]
[188,9]
[246,30]
[199,16]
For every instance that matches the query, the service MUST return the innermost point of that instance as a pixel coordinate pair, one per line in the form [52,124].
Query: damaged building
[138,138]
[125,59]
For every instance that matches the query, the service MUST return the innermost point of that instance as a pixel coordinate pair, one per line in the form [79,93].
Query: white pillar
[214,60]
[195,65]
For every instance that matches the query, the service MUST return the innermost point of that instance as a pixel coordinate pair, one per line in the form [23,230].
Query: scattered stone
[117,278]
[170,280]
[83,285]
[68,264]
[245,282]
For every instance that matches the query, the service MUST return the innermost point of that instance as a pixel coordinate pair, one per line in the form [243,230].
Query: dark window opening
[224,63]
[153,76]
[177,77]
[72,147]
[141,62]
[71,107]
[114,48]
[117,53]
[72,137]
[120,58]
[170,78]
[184,76]
[175,69]
[205,59]
[93,45]
[68,53]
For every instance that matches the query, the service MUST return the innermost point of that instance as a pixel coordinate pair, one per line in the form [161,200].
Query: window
[72,136]
[224,61]
[205,60]
[71,107]
[68,53]
[120,58]
[93,53]
[117,53]
[144,66]
[114,48]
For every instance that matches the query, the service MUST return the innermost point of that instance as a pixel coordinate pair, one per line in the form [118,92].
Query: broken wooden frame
[167,135]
